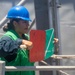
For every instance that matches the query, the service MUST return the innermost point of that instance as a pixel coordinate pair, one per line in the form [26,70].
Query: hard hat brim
[26,19]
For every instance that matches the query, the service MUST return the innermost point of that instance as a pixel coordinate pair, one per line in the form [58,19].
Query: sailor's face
[22,26]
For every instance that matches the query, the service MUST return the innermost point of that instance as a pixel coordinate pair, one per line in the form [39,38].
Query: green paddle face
[49,47]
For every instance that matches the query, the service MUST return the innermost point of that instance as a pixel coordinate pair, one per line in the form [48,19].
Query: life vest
[22,58]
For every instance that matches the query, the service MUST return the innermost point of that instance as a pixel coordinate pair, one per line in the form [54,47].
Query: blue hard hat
[18,12]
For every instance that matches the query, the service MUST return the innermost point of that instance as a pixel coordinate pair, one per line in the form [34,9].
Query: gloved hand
[55,40]
[26,44]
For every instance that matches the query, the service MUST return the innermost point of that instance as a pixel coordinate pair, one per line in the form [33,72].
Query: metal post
[55,21]
[2,67]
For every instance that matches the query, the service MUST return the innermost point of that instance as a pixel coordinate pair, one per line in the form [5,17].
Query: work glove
[26,44]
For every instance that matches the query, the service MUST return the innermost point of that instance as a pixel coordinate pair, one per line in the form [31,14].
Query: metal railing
[48,67]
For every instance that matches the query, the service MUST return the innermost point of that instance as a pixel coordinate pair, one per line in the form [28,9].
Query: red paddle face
[38,39]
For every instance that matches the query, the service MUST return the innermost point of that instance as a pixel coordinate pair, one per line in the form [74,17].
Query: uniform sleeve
[9,46]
